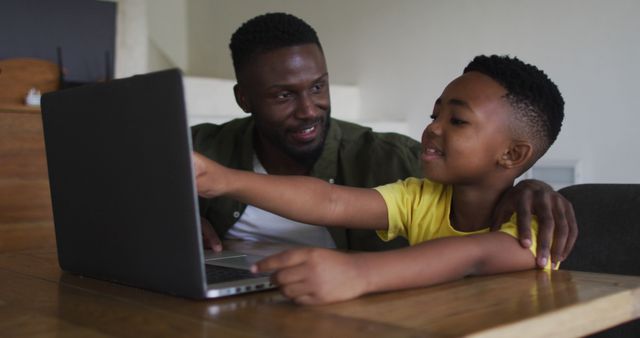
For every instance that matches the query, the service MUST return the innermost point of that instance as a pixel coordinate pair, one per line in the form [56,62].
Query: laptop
[123,192]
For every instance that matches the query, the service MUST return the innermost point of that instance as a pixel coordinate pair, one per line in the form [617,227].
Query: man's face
[287,91]
[469,132]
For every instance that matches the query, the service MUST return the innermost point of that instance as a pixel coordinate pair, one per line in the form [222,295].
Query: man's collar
[325,167]
[248,152]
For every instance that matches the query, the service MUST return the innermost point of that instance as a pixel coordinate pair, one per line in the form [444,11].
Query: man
[284,84]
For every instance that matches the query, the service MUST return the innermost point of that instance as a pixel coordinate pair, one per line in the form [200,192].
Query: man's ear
[518,154]
[241,99]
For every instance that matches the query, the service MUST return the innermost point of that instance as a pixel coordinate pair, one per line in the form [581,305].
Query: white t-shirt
[259,225]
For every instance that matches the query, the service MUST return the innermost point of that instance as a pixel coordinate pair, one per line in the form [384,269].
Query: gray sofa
[608,218]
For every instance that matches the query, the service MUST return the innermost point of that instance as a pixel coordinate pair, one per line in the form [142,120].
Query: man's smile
[306,133]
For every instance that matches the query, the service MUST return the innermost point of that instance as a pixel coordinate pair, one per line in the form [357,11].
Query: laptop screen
[122,187]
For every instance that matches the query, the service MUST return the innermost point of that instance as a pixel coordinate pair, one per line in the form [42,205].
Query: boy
[489,126]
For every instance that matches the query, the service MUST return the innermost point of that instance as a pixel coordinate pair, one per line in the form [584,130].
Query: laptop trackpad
[239,262]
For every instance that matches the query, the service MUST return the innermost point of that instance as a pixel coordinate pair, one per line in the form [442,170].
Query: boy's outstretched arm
[319,276]
[300,198]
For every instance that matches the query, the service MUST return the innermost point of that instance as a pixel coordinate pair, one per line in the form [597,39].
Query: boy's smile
[469,132]
[430,152]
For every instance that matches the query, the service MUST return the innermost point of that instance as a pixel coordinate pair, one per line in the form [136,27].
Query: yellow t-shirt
[419,209]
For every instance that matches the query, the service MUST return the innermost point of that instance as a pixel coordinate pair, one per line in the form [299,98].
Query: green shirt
[353,155]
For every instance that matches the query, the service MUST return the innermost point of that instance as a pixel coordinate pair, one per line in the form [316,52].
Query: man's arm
[318,276]
[304,199]
[556,219]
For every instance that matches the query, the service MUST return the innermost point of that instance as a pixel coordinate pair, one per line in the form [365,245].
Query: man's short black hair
[536,100]
[267,32]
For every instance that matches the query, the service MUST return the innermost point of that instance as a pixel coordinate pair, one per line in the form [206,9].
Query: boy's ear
[241,99]
[518,154]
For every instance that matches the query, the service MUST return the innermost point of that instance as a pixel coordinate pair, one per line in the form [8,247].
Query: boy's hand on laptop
[556,219]
[313,276]
[209,236]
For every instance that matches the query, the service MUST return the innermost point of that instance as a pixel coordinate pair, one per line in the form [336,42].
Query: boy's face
[469,132]
[287,92]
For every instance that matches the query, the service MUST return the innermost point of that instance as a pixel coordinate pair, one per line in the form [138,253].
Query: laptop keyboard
[219,274]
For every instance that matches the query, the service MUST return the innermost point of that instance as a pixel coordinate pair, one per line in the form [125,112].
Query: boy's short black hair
[536,100]
[268,32]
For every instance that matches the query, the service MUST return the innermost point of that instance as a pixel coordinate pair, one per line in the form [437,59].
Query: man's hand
[556,219]
[210,238]
[315,276]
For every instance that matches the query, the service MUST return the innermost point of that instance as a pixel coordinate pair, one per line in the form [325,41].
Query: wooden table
[37,299]
[26,220]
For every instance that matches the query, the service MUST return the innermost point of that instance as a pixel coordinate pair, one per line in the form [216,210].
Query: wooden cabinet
[26,220]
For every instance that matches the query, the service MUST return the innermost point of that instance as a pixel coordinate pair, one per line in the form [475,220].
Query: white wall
[168,38]
[131,38]
[402,53]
